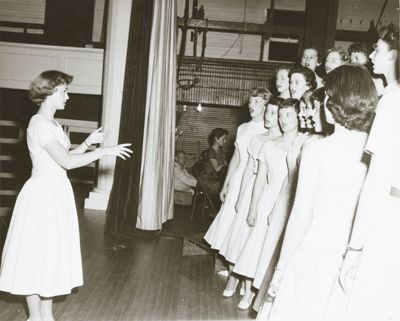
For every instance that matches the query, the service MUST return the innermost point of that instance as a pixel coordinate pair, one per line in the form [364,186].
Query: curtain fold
[156,177]
[124,197]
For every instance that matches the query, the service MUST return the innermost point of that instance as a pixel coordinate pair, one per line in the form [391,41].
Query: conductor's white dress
[42,253]
[222,222]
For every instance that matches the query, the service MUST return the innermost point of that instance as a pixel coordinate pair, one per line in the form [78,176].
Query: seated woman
[183,181]
[213,162]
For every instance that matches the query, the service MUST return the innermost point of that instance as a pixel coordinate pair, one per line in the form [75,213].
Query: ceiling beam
[239,27]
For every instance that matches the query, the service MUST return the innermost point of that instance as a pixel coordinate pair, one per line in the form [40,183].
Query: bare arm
[82,148]
[214,163]
[246,180]
[261,179]
[232,167]
[67,161]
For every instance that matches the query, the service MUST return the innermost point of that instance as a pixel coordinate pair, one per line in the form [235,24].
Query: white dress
[42,254]
[277,170]
[375,294]
[278,221]
[239,231]
[222,222]
[312,270]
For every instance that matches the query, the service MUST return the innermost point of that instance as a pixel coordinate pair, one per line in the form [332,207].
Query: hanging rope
[240,36]
[380,15]
[244,22]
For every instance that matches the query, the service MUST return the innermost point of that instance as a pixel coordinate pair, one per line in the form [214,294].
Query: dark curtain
[320,23]
[124,198]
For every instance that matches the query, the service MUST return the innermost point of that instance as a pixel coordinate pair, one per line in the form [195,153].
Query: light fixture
[199,108]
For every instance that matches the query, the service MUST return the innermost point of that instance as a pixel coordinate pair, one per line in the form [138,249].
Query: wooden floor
[140,278]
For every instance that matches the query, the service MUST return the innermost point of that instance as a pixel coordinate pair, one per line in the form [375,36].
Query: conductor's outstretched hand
[121,150]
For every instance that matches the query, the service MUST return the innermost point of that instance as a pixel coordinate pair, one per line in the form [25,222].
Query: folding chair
[201,191]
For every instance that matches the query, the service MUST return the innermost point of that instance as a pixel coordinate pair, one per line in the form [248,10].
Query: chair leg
[211,203]
[193,205]
[204,205]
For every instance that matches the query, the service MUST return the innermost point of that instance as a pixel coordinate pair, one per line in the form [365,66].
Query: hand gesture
[237,205]
[251,218]
[222,194]
[348,270]
[121,150]
[178,132]
[95,137]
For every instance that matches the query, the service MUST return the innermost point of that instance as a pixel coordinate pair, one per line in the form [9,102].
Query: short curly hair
[276,100]
[390,34]
[342,54]
[309,75]
[352,97]
[264,93]
[362,47]
[290,103]
[216,133]
[45,84]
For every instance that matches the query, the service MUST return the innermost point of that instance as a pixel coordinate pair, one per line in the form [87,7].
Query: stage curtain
[156,177]
[124,197]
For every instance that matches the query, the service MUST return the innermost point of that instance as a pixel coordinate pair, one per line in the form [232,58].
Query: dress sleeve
[383,140]
[383,131]
[262,154]
[252,150]
[212,154]
[238,136]
[44,133]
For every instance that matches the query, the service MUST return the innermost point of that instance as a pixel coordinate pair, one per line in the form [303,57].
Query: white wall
[21,63]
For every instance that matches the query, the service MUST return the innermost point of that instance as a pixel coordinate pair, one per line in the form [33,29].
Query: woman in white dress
[239,230]
[230,190]
[375,239]
[41,256]
[272,171]
[331,174]
[312,122]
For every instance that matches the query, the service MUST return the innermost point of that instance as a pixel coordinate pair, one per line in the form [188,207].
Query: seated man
[183,181]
